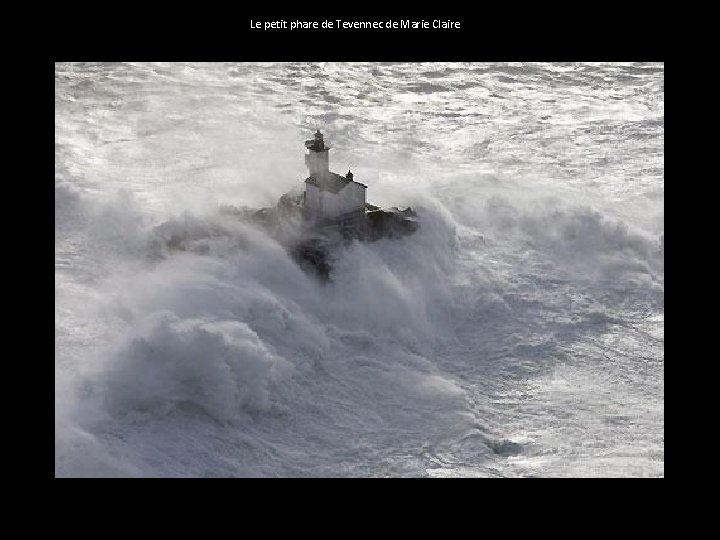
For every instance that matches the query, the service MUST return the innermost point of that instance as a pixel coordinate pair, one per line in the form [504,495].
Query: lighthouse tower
[317,157]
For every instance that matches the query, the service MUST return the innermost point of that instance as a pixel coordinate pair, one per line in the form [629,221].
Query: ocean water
[520,332]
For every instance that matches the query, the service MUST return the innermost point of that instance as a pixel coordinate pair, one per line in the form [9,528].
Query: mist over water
[519,332]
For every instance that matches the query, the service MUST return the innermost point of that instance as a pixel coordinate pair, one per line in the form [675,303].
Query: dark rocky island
[310,223]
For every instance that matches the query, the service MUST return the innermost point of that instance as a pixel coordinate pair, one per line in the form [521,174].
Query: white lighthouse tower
[317,157]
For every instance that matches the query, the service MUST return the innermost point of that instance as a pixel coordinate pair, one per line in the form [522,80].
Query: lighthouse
[327,194]
[317,157]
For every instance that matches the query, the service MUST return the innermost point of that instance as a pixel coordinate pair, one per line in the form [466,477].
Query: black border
[493,33]
[606,35]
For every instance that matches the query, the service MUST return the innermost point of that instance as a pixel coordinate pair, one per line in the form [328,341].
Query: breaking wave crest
[218,367]
[235,328]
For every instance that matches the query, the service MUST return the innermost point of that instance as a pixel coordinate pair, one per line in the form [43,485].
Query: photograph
[413,269]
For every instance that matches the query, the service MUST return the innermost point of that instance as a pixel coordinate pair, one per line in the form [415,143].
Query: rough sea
[519,332]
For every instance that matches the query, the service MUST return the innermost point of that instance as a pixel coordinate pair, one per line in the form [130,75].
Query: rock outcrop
[310,242]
